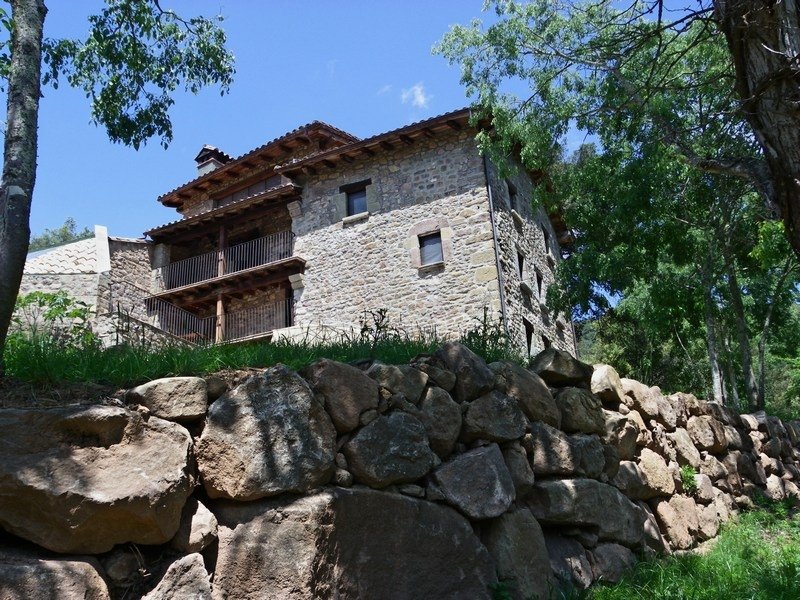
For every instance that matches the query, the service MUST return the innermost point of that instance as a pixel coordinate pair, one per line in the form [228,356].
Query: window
[521,264]
[528,335]
[546,235]
[430,249]
[513,197]
[546,342]
[356,202]
[538,282]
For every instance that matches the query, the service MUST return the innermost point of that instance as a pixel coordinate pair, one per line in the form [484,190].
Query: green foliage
[757,557]
[689,479]
[135,56]
[489,339]
[65,234]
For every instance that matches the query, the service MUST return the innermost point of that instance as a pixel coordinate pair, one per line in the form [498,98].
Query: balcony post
[221,252]
[220,333]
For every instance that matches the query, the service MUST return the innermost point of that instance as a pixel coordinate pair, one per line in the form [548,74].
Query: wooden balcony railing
[255,253]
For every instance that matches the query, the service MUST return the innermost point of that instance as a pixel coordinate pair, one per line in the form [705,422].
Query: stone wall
[427,480]
[369,263]
[525,232]
[80,286]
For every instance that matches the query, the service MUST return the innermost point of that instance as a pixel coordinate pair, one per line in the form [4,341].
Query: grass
[756,557]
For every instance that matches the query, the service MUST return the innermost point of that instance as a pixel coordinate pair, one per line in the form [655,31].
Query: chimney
[209,159]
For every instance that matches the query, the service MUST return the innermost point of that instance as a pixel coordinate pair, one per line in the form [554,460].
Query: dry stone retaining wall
[435,479]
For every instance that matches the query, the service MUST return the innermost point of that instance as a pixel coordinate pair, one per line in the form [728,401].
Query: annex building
[302,236]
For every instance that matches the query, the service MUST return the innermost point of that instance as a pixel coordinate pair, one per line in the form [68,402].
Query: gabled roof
[272,150]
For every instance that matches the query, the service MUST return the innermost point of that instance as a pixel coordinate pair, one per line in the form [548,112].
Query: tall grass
[755,558]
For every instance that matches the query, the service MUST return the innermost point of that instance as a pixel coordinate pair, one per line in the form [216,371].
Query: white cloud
[416,96]
[385,89]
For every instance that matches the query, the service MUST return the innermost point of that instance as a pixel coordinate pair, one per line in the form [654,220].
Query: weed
[689,479]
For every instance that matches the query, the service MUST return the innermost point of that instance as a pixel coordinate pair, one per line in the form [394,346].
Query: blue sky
[365,67]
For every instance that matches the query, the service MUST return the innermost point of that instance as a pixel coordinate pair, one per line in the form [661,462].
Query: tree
[65,234]
[134,58]
[577,58]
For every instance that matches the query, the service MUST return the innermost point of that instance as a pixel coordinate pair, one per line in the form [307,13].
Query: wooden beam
[428,132]
[454,125]
[367,151]
[406,139]
[285,147]
[386,145]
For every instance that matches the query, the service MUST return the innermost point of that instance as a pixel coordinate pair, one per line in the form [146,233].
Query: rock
[215,387]
[405,380]
[622,433]
[342,478]
[556,453]
[412,490]
[441,417]
[581,412]
[724,414]
[121,566]
[707,522]
[519,467]
[592,458]
[391,449]
[185,578]
[560,369]
[667,415]
[516,544]
[707,434]
[80,480]
[611,462]
[198,528]
[645,438]
[775,489]
[646,479]
[772,448]
[473,377]
[494,417]
[569,562]
[607,385]
[173,398]
[346,390]
[686,452]
[267,436]
[678,402]
[653,537]
[610,562]
[705,490]
[694,407]
[642,397]
[477,483]
[530,392]
[437,376]
[660,443]
[354,543]
[712,467]
[750,422]
[28,576]
[586,502]
[677,519]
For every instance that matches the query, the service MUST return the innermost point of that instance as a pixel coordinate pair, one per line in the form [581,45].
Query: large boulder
[586,502]
[391,449]
[494,417]
[560,369]
[185,578]
[643,399]
[172,398]
[610,562]
[81,480]
[441,417]
[556,453]
[516,544]
[707,434]
[607,385]
[267,436]
[473,377]
[348,543]
[404,380]
[686,452]
[621,433]
[569,563]
[581,411]
[346,391]
[28,576]
[529,390]
[678,520]
[477,483]
[519,467]
[645,479]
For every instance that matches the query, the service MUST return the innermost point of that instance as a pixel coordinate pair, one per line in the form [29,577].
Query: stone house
[306,234]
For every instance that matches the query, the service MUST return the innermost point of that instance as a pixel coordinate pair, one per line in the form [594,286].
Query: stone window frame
[424,228]
[340,201]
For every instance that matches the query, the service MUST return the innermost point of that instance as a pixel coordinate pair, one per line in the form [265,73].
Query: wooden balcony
[249,265]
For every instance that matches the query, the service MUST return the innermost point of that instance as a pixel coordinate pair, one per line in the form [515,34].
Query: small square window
[430,249]
[356,202]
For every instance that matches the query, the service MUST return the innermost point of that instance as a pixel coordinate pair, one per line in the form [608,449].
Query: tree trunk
[764,42]
[711,336]
[751,391]
[19,152]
